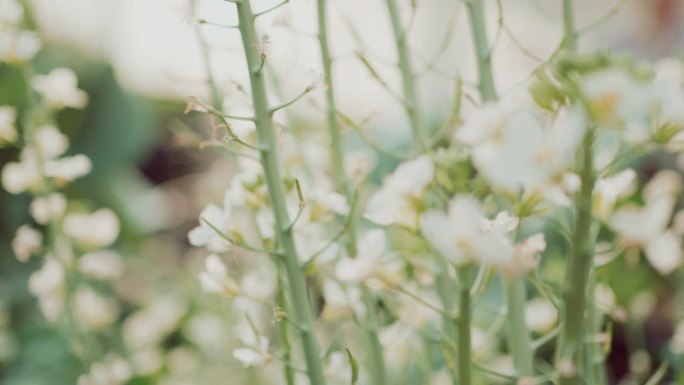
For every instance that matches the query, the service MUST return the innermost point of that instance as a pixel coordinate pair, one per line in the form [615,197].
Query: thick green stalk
[269,160]
[446,290]
[408,79]
[570,39]
[595,354]
[484,54]
[519,340]
[464,343]
[569,356]
[376,360]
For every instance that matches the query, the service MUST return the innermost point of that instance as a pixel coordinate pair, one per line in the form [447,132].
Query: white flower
[46,209]
[215,279]
[540,315]
[50,142]
[212,221]
[11,13]
[341,302]
[113,370]
[503,222]
[364,265]
[99,229]
[395,201]
[338,370]
[27,242]
[256,355]
[608,190]
[664,252]
[514,150]
[48,284]
[92,310]
[460,236]
[8,132]
[18,46]
[59,89]
[665,182]
[18,177]
[641,225]
[68,168]
[259,284]
[526,256]
[613,94]
[102,264]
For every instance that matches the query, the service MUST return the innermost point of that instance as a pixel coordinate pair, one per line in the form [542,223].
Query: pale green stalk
[376,361]
[484,54]
[570,354]
[570,39]
[270,163]
[408,78]
[464,342]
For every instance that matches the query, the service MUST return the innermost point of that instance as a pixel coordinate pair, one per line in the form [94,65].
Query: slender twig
[276,6]
[294,100]
[484,54]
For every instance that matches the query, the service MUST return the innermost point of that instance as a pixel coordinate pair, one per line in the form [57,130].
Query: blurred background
[139,60]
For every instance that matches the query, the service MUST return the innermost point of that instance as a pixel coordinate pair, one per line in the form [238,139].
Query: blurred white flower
[102,264]
[338,370]
[640,225]
[18,177]
[461,237]
[11,13]
[48,284]
[150,325]
[664,182]
[614,95]
[526,256]
[395,201]
[95,230]
[18,46]
[147,361]
[50,142]
[8,132]
[503,222]
[358,165]
[27,242]
[341,302]
[48,208]
[113,370]
[259,283]
[212,221]
[514,150]
[59,88]
[215,279]
[68,168]
[608,190]
[323,202]
[94,311]
[664,252]
[255,355]
[540,315]
[364,265]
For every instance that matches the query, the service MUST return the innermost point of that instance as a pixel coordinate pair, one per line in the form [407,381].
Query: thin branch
[214,24]
[295,99]
[257,14]
[240,243]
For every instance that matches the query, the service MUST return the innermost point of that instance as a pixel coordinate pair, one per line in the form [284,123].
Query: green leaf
[354,367]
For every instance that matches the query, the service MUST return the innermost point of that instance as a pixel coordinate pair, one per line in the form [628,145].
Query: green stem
[570,39]
[519,340]
[376,360]
[569,356]
[484,54]
[595,355]
[282,329]
[408,79]
[270,163]
[464,343]
[445,289]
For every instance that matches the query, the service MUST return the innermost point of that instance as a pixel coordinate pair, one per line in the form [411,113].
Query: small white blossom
[665,182]
[59,89]
[50,141]
[18,46]
[48,284]
[95,230]
[27,242]
[395,201]
[215,279]
[614,95]
[68,168]
[11,13]
[8,131]
[18,177]
[49,208]
[540,315]
[461,237]
[102,264]
[255,355]
[365,264]
[608,190]
[212,221]
[94,311]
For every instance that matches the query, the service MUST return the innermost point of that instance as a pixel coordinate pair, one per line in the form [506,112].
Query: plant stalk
[464,339]
[270,163]
[519,340]
[408,78]
[484,54]
[374,352]
[569,356]
[570,39]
